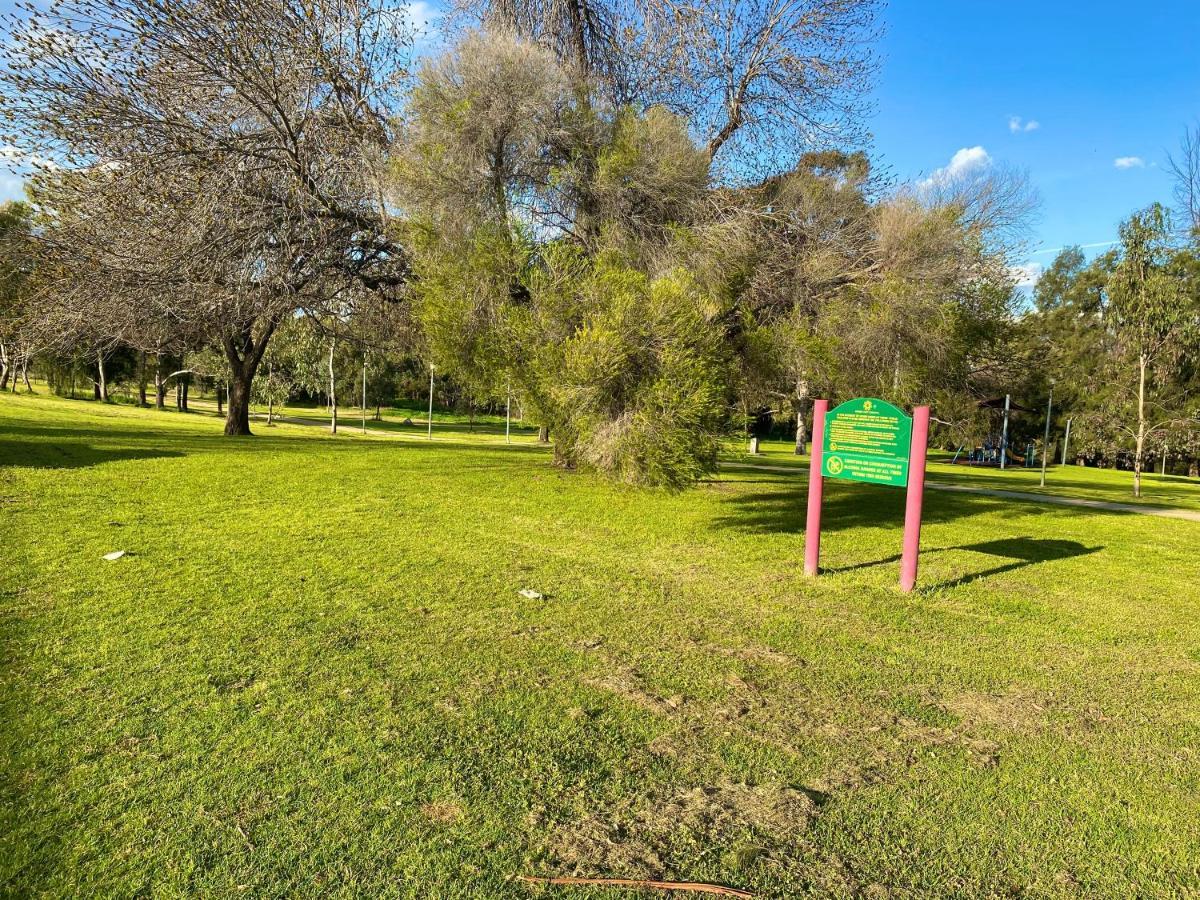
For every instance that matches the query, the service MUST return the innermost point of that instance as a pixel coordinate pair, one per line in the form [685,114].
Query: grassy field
[1065,481]
[313,675]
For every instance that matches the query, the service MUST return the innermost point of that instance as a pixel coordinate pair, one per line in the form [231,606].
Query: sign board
[867,440]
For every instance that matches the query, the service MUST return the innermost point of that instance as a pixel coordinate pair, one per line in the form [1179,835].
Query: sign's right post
[915,498]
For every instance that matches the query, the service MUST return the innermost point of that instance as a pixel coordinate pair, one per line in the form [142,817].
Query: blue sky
[1104,81]
[1064,89]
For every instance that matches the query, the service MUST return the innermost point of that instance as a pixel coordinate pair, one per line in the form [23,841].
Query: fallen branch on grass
[693,886]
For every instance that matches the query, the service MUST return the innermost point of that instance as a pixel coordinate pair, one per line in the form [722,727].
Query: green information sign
[867,440]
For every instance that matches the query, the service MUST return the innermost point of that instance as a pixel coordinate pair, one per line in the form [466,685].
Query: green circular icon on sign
[835,465]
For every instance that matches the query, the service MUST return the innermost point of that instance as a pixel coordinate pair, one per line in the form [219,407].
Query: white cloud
[1129,162]
[1016,125]
[966,161]
[1026,275]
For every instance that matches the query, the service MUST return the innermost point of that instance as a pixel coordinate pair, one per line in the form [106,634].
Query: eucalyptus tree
[1154,311]
[216,164]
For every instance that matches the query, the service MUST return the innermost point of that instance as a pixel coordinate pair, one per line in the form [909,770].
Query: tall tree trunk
[25,374]
[244,352]
[1141,430]
[160,386]
[185,383]
[237,417]
[799,401]
[142,379]
[179,393]
[102,384]
[543,434]
[332,391]
[4,367]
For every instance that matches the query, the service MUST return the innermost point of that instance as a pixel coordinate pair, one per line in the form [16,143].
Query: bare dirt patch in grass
[627,683]
[442,813]
[660,833]
[1015,710]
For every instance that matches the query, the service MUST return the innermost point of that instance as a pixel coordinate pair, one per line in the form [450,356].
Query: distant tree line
[650,223]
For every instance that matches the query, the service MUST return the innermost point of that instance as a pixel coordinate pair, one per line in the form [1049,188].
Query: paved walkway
[1190,515]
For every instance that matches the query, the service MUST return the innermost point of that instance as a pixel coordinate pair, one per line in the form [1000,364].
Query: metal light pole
[430,423]
[1066,441]
[1046,439]
[1004,432]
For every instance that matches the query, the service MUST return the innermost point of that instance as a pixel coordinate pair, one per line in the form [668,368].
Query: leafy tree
[1155,320]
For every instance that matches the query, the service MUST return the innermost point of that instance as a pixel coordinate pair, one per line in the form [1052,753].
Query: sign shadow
[1020,551]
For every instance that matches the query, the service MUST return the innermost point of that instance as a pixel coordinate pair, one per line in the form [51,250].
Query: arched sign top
[867,439]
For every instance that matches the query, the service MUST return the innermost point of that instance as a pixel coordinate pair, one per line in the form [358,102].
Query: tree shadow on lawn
[1023,551]
[847,507]
[53,447]
[71,454]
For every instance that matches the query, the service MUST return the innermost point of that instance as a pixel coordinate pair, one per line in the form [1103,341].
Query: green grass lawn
[313,675]
[1064,481]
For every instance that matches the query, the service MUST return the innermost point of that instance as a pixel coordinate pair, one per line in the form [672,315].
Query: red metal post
[816,489]
[916,495]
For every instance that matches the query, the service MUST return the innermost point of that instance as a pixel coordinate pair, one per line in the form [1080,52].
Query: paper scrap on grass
[116,554]
[529,594]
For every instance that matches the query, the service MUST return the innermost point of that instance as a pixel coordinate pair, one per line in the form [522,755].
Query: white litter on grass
[529,594]
[116,554]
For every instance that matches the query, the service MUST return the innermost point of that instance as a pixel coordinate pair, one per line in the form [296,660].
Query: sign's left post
[816,487]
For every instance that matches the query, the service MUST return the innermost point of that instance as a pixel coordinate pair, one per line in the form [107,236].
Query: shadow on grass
[1022,551]
[72,454]
[848,507]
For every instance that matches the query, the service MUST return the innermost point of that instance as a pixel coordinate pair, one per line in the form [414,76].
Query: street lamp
[430,422]
[1046,439]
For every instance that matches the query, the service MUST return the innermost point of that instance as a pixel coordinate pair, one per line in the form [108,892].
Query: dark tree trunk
[543,434]
[220,403]
[179,394]
[25,375]
[1193,469]
[243,353]
[186,383]
[237,417]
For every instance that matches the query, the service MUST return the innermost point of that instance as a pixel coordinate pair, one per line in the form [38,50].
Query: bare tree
[1185,168]
[217,165]
[761,81]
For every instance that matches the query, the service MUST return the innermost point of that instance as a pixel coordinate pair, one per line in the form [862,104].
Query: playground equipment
[995,449]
